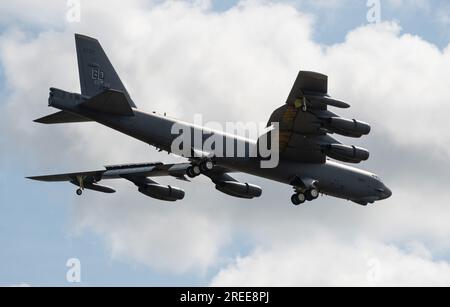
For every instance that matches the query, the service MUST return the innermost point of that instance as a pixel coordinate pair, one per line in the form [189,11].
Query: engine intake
[351,154]
[239,189]
[162,192]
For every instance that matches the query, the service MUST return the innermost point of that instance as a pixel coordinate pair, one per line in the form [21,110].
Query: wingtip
[42,120]
[35,178]
[38,120]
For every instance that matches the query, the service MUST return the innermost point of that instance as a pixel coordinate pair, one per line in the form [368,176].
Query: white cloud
[21,285]
[176,238]
[390,76]
[42,13]
[329,262]
[239,65]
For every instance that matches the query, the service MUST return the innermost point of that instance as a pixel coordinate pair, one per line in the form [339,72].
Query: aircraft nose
[387,192]
[384,192]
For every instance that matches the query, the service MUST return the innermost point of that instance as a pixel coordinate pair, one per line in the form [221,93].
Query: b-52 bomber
[307,154]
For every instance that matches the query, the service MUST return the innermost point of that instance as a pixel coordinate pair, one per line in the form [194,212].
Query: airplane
[310,160]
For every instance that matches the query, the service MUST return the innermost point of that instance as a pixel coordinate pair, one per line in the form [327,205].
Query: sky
[229,61]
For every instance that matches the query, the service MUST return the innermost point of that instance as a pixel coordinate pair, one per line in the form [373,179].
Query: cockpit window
[376,177]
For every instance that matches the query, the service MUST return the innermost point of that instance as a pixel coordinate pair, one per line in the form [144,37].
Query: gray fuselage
[334,179]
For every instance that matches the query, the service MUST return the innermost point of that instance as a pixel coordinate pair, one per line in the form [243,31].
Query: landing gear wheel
[206,166]
[79,192]
[193,171]
[190,172]
[196,170]
[312,194]
[298,199]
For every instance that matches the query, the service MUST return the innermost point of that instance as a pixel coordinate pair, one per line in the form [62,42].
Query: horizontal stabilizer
[111,102]
[61,117]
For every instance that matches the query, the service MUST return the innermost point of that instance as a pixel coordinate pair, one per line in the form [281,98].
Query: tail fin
[96,71]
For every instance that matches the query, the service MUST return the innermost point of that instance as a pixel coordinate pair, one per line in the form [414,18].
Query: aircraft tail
[96,71]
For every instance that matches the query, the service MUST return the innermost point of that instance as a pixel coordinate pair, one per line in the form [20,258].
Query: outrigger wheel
[80,180]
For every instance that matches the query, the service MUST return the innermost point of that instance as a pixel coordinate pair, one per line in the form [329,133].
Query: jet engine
[351,154]
[161,192]
[346,127]
[239,189]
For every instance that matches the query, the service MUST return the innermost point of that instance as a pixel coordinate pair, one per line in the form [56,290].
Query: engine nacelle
[346,127]
[162,192]
[351,154]
[239,189]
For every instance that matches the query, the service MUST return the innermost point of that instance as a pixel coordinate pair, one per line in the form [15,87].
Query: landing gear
[196,169]
[298,199]
[308,195]
[206,166]
[80,184]
[312,194]
[193,171]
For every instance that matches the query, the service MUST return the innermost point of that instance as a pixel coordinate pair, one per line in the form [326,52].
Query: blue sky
[333,23]
[35,235]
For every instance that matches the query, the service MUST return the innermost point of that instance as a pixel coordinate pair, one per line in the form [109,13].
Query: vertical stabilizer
[96,71]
